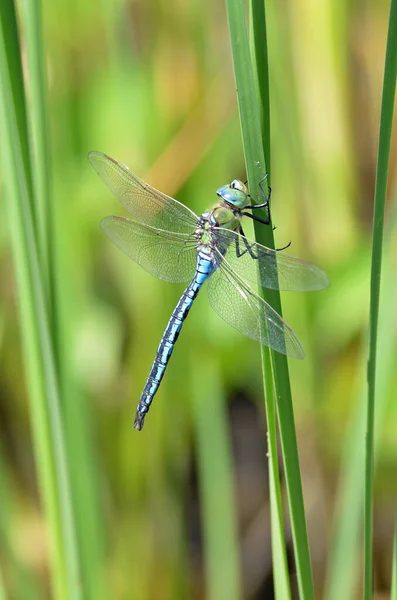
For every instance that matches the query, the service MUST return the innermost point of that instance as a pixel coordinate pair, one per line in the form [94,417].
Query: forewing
[166,255]
[244,310]
[144,202]
[277,270]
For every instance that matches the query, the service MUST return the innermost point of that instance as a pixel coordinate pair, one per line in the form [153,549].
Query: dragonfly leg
[284,247]
[255,218]
[266,198]
[265,204]
[248,248]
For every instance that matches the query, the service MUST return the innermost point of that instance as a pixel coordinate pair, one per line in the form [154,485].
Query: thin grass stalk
[260,63]
[343,558]
[256,169]
[77,414]
[38,138]
[279,554]
[34,351]
[51,458]
[215,469]
[9,24]
[386,121]
[53,259]
[345,546]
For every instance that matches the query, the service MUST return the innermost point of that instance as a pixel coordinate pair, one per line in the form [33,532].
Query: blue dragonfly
[173,243]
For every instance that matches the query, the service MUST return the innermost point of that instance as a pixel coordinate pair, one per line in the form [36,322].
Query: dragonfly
[174,244]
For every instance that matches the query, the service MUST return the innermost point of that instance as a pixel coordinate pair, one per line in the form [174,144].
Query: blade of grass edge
[279,555]
[38,139]
[216,488]
[39,361]
[386,120]
[259,54]
[9,24]
[54,259]
[260,65]
[342,564]
[254,156]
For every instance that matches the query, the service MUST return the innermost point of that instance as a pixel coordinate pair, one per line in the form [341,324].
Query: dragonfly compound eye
[239,186]
[236,184]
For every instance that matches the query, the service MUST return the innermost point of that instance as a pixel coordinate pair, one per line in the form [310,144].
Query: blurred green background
[151,84]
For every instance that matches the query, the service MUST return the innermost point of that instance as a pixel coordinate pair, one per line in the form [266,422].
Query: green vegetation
[89,507]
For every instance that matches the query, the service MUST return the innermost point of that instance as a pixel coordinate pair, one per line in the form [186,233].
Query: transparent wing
[143,201]
[278,270]
[166,255]
[244,310]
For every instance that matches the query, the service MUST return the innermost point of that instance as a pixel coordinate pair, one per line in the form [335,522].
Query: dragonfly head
[236,194]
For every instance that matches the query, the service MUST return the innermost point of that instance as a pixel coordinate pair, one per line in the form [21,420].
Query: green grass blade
[78,423]
[48,435]
[254,156]
[215,469]
[343,563]
[386,121]
[39,151]
[54,253]
[279,555]
[260,65]
[9,24]
[247,103]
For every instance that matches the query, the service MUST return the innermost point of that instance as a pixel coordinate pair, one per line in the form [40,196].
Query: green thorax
[222,215]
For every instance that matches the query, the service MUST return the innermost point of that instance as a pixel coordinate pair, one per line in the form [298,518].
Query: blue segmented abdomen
[205,268]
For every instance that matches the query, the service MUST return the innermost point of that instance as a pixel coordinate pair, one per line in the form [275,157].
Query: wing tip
[108,218]
[300,353]
[292,345]
[104,221]
[327,282]
[297,352]
[94,154]
[94,157]
[321,279]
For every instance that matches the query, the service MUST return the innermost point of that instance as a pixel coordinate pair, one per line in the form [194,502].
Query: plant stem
[256,169]
[386,120]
